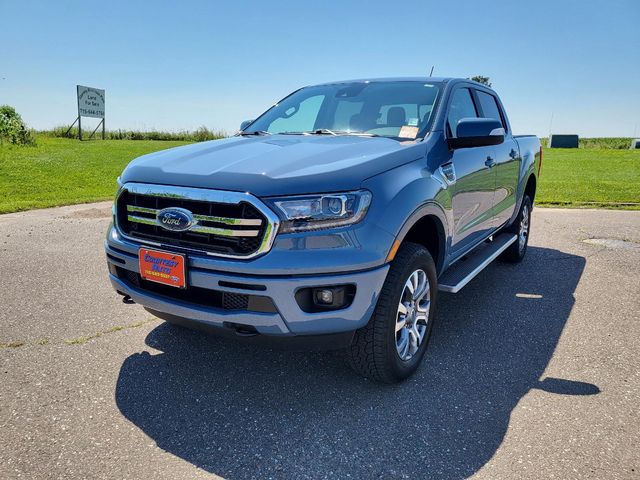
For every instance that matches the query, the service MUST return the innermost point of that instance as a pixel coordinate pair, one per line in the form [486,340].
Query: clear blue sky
[178,65]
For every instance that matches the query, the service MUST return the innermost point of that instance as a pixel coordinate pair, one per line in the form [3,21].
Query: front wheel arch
[426,226]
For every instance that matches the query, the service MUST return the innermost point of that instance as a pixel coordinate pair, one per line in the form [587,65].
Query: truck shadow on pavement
[243,411]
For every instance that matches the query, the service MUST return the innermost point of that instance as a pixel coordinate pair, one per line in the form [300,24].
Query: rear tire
[520,227]
[391,346]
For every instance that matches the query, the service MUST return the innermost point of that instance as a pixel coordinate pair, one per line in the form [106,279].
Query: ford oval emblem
[175,219]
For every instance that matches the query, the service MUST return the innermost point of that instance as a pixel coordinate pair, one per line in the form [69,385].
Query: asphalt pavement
[532,372]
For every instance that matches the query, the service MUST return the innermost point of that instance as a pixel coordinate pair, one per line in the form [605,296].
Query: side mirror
[245,124]
[477,132]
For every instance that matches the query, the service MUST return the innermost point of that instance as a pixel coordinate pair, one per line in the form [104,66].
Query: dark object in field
[563,141]
[635,144]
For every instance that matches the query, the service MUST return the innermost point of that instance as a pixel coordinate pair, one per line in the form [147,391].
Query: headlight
[313,212]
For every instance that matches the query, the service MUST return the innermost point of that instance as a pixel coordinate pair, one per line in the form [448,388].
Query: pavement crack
[118,328]
[78,340]
[16,344]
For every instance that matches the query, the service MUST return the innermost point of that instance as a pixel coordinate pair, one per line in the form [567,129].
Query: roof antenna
[431,72]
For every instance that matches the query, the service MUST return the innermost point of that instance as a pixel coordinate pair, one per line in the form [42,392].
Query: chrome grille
[229,224]
[148,216]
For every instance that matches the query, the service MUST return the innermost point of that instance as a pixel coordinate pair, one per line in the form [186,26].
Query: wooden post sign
[90,104]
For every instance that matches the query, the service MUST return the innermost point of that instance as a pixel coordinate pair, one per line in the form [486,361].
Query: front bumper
[287,320]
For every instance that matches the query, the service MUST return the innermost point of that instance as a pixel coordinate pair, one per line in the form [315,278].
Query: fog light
[112,269]
[330,297]
[324,296]
[320,299]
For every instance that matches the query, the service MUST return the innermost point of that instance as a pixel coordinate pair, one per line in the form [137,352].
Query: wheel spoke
[421,330]
[402,308]
[422,288]
[414,340]
[400,324]
[409,286]
[423,308]
[405,350]
[403,345]
[415,280]
[421,318]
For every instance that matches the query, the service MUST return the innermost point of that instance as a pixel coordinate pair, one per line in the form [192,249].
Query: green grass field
[590,178]
[61,171]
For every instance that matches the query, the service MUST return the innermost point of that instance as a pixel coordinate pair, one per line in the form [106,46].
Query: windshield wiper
[317,131]
[326,131]
[360,134]
[257,132]
[322,131]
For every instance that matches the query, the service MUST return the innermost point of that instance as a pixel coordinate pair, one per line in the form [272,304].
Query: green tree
[481,79]
[13,129]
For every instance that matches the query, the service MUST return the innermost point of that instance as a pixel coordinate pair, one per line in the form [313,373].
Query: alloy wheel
[523,232]
[412,317]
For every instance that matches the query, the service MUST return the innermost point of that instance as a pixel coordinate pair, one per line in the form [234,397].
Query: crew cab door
[472,198]
[507,160]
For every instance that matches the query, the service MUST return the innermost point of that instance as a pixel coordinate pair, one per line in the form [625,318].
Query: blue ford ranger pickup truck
[334,218]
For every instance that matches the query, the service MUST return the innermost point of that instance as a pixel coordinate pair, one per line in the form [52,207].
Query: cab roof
[391,79]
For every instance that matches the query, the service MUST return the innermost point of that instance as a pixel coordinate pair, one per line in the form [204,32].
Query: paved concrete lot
[532,373]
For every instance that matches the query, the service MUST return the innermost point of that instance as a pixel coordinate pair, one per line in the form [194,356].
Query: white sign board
[90,102]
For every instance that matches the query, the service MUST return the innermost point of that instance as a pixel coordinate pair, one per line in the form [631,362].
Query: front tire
[391,346]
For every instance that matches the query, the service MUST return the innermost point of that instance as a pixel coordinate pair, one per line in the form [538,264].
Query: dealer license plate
[163,267]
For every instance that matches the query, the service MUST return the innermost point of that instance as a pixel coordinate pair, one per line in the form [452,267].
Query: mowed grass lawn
[63,171]
[60,171]
[590,178]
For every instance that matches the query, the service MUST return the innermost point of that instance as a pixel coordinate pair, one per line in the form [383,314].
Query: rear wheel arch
[528,191]
[530,188]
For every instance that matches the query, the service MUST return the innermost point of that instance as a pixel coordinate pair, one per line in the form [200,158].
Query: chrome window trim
[202,195]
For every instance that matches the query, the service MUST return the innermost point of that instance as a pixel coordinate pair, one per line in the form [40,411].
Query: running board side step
[465,269]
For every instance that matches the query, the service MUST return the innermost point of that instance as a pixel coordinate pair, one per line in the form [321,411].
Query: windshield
[400,110]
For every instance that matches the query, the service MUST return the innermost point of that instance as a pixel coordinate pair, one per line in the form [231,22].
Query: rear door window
[490,107]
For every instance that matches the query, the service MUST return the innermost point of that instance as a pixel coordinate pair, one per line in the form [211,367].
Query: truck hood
[274,165]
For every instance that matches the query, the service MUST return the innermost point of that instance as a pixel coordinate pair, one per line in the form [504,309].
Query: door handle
[489,162]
